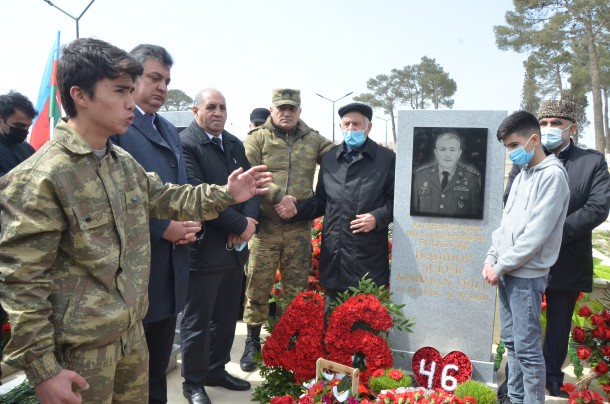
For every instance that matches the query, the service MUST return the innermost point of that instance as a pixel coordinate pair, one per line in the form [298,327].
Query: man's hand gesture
[244,185]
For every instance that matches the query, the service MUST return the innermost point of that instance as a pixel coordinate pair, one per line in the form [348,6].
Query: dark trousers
[159,339]
[208,324]
[559,309]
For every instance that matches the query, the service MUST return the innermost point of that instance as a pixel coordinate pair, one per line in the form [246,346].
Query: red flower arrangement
[449,371]
[419,395]
[592,344]
[296,342]
[351,330]
[282,400]
[313,280]
[582,396]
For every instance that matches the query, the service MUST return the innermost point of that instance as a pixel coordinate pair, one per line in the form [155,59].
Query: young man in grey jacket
[523,249]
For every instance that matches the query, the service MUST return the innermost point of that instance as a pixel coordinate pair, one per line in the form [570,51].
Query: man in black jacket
[589,204]
[355,193]
[16,115]
[218,255]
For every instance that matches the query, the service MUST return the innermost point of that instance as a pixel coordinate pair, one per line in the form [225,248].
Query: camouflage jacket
[291,158]
[75,251]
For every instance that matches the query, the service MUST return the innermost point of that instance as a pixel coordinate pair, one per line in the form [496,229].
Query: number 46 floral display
[355,335]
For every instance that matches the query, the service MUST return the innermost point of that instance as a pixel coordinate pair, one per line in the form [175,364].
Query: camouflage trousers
[277,245]
[123,380]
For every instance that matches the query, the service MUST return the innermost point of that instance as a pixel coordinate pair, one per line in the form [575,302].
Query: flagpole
[77,19]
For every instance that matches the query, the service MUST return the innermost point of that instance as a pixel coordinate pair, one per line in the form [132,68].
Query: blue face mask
[552,137]
[520,156]
[354,138]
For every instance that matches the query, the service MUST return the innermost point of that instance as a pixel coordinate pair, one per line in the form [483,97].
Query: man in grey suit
[154,143]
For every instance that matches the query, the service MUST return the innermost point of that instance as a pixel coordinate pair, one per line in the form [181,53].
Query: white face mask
[552,138]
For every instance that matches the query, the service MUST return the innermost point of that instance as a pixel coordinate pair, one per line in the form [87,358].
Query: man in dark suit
[208,323]
[154,143]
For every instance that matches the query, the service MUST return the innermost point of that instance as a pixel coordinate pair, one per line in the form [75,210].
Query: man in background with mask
[16,115]
[355,193]
[589,184]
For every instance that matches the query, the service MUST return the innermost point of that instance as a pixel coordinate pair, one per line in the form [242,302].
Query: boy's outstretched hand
[244,185]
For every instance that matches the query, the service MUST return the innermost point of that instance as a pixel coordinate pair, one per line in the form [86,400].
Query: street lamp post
[333,101]
[77,19]
[386,128]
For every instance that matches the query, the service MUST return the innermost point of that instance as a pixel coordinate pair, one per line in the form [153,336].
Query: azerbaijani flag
[48,104]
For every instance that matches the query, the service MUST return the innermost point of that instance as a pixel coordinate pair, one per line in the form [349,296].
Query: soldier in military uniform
[291,150]
[75,243]
[447,187]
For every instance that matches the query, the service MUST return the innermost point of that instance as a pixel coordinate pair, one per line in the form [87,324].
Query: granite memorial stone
[448,201]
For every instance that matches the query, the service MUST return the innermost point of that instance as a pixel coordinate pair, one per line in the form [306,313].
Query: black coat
[159,151]
[12,154]
[589,183]
[206,162]
[345,189]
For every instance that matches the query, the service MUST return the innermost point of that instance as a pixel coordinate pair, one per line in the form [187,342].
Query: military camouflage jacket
[292,160]
[75,251]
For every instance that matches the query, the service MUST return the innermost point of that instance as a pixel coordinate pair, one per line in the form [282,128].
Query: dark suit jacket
[589,183]
[160,151]
[207,163]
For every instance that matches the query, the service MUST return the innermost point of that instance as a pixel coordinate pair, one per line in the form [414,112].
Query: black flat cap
[259,115]
[357,107]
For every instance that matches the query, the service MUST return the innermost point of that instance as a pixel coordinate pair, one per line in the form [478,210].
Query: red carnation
[606,350]
[568,388]
[579,334]
[395,374]
[377,373]
[585,312]
[601,368]
[597,320]
[598,332]
[583,352]
[282,400]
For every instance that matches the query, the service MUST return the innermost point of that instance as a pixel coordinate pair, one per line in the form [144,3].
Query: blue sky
[245,48]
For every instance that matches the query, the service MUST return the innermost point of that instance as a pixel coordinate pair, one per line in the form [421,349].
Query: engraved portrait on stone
[448,176]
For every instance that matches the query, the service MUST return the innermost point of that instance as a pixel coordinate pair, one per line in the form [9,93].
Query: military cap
[286,96]
[357,107]
[558,109]
[259,115]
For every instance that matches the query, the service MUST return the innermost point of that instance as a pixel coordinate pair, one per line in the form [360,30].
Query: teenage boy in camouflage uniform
[291,150]
[75,247]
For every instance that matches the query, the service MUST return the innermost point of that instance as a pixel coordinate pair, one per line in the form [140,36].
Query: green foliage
[578,368]
[385,382]
[177,100]
[277,381]
[419,86]
[480,391]
[567,42]
[366,286]
[22,394]
[600,270]
[500,349]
